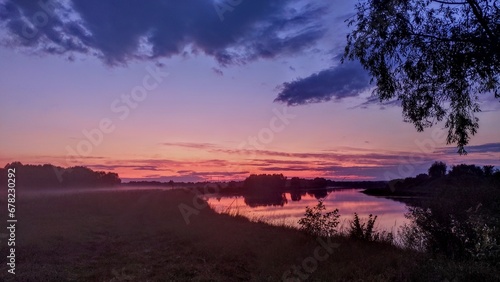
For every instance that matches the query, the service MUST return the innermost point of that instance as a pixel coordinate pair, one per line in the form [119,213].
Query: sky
[205,90]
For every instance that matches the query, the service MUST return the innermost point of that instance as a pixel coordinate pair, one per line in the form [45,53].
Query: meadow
[142,236]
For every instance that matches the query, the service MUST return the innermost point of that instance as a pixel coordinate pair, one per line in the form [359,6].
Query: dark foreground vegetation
[455,214]
[143,236]
[172,235]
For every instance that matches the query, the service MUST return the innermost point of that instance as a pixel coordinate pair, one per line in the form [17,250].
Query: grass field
[142,236]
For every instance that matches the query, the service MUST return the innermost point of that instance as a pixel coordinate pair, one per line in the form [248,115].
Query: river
[288,209]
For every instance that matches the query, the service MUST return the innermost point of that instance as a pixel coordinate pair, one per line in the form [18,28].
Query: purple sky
[186,90]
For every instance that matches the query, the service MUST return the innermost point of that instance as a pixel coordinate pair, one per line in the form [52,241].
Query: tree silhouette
[437,169]
[263,183]
[295,183]
[488,170]
[319,182]
[464,169]
[264,190]
[435,57]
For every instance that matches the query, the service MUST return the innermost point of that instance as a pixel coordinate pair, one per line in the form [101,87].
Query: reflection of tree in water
[265,199]
[265,190]
[297,195]
[319,193]
[270,198]
[270,189]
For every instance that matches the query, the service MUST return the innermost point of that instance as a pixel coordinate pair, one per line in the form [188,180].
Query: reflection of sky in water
[348,201]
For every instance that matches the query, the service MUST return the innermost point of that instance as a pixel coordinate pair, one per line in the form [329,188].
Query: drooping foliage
[435,57]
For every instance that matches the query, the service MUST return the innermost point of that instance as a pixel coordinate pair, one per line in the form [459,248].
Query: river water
[288,209]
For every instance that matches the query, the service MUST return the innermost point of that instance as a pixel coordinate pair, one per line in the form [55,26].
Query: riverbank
[142,235]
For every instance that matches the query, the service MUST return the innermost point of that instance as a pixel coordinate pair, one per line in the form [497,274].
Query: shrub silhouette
[316,223]
[366,231]
[362,230]
[460,219]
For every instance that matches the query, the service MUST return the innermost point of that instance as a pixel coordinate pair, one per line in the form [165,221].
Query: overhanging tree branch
[435,60]
[476,10]
[449,3]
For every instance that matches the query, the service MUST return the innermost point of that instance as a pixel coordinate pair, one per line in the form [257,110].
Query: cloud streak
[483,148]
[191,145]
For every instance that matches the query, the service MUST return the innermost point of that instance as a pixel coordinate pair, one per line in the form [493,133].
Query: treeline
[50,176]
[439,174]
[319,183]
[270,189]
[264,183]
[278,182]
[171,183]
[264,190]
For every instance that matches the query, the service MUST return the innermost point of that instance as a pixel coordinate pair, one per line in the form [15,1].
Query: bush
[358,229]
[411,237]
[365,230]
[456,232]
[316,223]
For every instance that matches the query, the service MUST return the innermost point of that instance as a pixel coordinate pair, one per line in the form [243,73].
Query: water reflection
[262,200]
[274,198]
[288,208]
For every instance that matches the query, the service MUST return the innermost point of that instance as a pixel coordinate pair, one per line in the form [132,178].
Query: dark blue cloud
[120,31]
[41,26]
[346,80]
